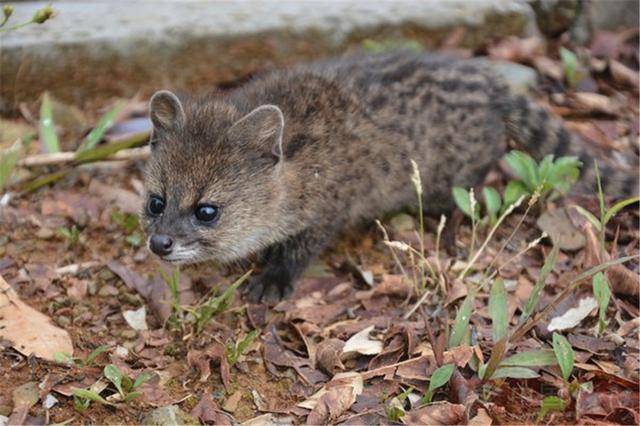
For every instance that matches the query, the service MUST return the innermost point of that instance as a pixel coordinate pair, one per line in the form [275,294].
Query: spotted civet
[278,167]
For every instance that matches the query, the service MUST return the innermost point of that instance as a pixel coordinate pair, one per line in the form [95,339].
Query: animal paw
[268,288]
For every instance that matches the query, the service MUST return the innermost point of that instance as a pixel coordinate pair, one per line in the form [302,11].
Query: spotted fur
[332,148]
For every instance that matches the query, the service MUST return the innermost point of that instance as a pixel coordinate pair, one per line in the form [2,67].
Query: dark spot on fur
[297,142]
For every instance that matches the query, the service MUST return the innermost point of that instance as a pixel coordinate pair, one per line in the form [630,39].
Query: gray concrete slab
[103,48]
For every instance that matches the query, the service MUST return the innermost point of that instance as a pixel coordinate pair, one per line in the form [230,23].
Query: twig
[54,158]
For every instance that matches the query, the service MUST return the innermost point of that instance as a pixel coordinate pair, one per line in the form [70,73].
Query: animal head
[213,181]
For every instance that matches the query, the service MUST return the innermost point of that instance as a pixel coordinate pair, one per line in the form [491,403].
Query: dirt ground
[73,250]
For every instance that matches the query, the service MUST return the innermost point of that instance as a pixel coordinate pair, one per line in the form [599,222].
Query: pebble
[63,321]
[108,291]
[45,233]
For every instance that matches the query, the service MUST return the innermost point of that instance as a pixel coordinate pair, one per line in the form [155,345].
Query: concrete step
[94,49]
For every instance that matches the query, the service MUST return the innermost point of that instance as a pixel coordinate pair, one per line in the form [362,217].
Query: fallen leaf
[439,413]
[557,224]
[624,75]
[126,201]
[136,319]
[201,360]
[231,403]
[573,316]
[362,343]
[208,412]
[328,355]
[482,418]
[28,330]
[593,103]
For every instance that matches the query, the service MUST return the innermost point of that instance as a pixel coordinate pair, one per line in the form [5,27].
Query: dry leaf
[573,316]
[440,413]
[28,330]
[362,343]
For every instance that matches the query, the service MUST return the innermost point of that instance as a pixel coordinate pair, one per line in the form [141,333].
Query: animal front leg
[283,263]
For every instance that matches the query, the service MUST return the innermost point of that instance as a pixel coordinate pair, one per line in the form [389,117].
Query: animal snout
[161,244]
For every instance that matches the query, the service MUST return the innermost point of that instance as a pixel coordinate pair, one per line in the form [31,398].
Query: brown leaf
[439,413]
[593,103]
[41,274]
[318,314]
[624,75]
[334,398]
[28,330]
[208,412]
[126,201]
[482,418]
[328,354]
[201,360]
[556,223]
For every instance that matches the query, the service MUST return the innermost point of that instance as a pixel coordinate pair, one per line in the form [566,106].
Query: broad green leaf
[514,373]
[514,190]
[589,216]
[564,173]
[63,358]
[439,378]
[114,375]
[462,199]
[619,206]
[462,321]
[498,310]
[47,126]
[549,404]
[131,396]
[525,167]
[492,201]
[564,354]
[534,297]
[8,160]
[105,122]
[90,395]
[142,379]
[539,358]
[95,353]
[602,293]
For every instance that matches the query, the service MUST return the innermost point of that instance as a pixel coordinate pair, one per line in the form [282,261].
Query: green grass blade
[47,127]
[540,283]
[549,404]
[90,395]
[462,321]
[104,123]
[8,161]
[101,152]
[588,215]
[498,310]
[617,207]
[539,358]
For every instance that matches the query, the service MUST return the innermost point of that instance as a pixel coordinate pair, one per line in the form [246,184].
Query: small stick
[49,159]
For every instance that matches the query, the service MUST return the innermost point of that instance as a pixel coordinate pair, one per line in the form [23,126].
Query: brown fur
[351,128]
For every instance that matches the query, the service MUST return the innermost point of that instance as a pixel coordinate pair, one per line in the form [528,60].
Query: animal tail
[536,131]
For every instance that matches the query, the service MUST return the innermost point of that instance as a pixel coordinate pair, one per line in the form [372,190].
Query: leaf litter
[340,350]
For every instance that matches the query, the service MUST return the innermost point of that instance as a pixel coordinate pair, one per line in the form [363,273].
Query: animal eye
[155,206]
[207,213]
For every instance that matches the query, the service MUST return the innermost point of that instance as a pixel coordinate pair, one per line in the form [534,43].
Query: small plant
[125,389]
[130,225]
[550,404]
[549,176]
[602,294]
[199,315]
[233,350]
[606,214]
[215,305]
[65,358]
[439,378]
[375,46]
[124,385]
[71,235]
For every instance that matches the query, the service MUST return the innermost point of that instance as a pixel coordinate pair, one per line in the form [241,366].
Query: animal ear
[166,111]
[262,127]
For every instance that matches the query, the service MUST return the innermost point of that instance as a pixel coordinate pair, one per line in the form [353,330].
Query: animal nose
[161,244]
